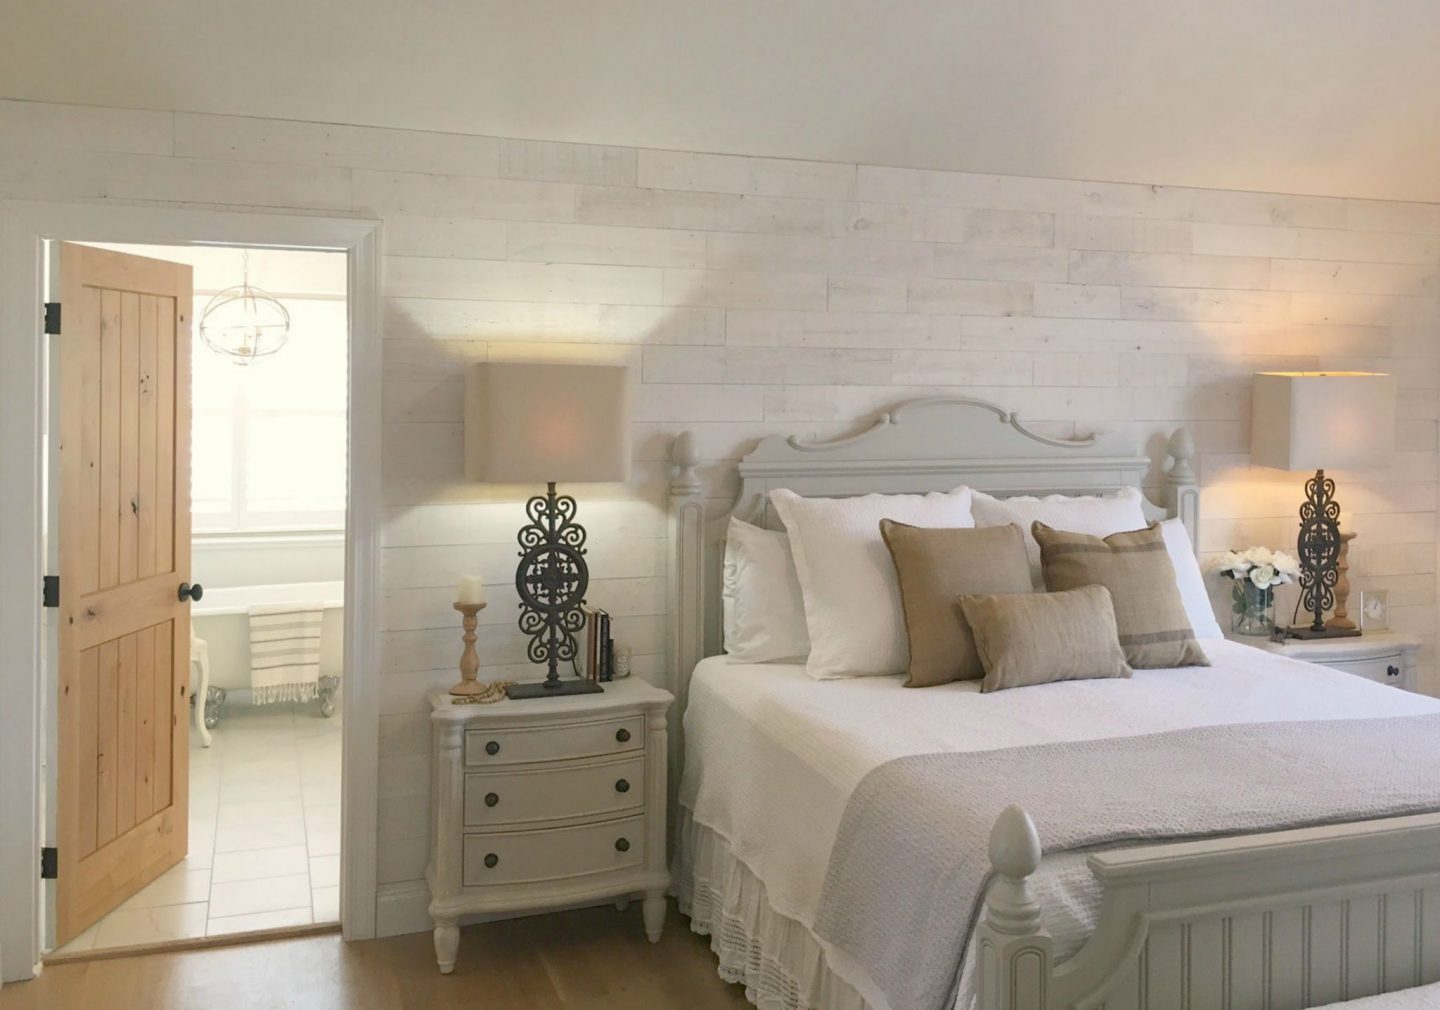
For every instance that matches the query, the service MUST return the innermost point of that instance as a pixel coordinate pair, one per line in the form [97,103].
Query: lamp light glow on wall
[1308,421]
[546,424]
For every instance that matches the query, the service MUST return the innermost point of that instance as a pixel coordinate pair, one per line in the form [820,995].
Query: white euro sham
[1190,581]
[853,613]
[763,611]
[1096,515]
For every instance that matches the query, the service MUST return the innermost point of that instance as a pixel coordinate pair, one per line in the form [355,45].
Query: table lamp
[547,424]
[1311,420]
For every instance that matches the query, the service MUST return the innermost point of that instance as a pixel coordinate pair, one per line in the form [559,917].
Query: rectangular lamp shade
[533,424]
[1320,420]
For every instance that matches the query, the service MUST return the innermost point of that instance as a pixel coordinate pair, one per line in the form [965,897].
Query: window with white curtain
[268,450]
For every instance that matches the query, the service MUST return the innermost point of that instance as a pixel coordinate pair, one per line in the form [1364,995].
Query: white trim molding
[24,225]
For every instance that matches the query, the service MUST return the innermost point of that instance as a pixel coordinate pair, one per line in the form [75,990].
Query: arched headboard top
[938,443]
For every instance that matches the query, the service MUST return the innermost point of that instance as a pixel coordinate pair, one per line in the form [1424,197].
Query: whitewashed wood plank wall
[754,294]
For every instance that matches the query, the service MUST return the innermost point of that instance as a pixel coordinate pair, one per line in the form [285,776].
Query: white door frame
[23,423]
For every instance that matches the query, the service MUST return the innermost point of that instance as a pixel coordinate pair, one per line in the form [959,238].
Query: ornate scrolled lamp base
[551,581]
[1319,546]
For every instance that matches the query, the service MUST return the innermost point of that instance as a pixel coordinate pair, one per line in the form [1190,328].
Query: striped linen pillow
[1150,616]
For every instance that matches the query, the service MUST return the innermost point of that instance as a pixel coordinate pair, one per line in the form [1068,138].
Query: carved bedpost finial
[1015,855]
[685,456]
[1181,448]
[1015,949]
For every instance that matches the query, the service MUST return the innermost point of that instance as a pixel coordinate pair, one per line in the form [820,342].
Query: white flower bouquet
[1256,572]
[1263,567]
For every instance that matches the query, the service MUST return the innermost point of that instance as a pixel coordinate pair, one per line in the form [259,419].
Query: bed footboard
[1276,921]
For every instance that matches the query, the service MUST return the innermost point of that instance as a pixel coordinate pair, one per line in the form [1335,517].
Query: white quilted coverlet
[772,755]
[1426,997]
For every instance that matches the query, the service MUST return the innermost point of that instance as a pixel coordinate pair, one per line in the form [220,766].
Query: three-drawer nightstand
[547,803]
[1381,656]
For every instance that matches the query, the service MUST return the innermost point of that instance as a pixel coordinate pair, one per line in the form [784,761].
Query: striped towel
[285,652]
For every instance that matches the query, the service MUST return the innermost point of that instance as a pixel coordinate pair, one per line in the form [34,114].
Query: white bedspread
[1427,997]
[772,755]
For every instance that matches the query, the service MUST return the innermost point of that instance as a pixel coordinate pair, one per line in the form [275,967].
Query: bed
[1425,997]
[771,760]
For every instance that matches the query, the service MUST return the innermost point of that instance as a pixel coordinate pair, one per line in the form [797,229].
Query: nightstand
[547,803]
[1381,656]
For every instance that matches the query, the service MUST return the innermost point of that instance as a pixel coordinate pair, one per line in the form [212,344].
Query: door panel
[124,534]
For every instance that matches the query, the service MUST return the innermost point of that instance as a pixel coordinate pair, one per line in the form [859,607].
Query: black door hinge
[50,591]
[49,863]
[52,317]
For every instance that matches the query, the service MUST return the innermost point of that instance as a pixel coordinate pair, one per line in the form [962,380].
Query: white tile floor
[264,835]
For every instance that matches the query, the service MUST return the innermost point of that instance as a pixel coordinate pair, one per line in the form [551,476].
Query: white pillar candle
[471,590]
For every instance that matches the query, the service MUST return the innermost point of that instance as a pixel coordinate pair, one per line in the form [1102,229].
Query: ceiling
[1301,96]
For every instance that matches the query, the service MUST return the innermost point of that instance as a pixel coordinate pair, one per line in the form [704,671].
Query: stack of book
[599,646]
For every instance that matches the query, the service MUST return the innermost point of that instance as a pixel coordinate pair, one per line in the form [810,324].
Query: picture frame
[1374,610]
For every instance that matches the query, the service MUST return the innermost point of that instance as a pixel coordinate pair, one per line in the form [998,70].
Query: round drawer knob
[622,735]
[622,786]
[492,748]
[490,860]
[1392,671]
[622,845]
[491,799]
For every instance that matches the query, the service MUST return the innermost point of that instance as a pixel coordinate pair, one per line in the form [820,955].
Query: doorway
[268,406]
[26,743]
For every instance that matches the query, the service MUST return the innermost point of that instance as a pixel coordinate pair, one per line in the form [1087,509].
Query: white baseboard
[402,908]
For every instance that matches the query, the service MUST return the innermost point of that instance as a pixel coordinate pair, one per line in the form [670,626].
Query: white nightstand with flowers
[1381,656]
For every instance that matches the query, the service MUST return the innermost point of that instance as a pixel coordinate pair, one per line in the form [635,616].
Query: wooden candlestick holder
[469,659]
[1342,586]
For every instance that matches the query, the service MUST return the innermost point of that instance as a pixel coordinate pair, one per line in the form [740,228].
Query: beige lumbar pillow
[1039,638]
[1149,613]
[934,566]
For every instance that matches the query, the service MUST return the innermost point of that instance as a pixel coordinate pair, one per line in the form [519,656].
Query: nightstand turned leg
[447,944]
[653,909]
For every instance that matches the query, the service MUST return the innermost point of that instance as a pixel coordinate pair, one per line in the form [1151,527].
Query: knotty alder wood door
[124,529]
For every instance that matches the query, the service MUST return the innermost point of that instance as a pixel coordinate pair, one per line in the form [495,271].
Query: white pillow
[852,598]
[1189,580]
[760,597]
[1098,516]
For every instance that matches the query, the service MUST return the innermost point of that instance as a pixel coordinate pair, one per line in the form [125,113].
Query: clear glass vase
[1253,609]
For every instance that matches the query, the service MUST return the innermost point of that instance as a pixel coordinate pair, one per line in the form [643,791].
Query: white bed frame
[1273,921]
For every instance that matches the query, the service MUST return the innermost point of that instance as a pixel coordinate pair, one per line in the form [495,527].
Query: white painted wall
[220,562]
[752,295]
[1287,96]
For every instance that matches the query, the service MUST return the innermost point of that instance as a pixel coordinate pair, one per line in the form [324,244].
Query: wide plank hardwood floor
[596,959]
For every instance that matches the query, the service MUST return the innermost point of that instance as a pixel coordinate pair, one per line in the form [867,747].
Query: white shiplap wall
[751,295]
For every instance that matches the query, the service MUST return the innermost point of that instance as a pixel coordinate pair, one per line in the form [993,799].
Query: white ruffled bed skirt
[779,961]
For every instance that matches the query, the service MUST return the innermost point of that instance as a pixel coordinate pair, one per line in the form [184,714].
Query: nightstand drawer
[515,857]
[485,747]
[1383,669]
[509,797]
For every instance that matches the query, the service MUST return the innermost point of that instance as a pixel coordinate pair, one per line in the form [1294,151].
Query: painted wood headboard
[923,445]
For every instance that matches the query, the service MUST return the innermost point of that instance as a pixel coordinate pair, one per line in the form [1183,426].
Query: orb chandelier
[244,322]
